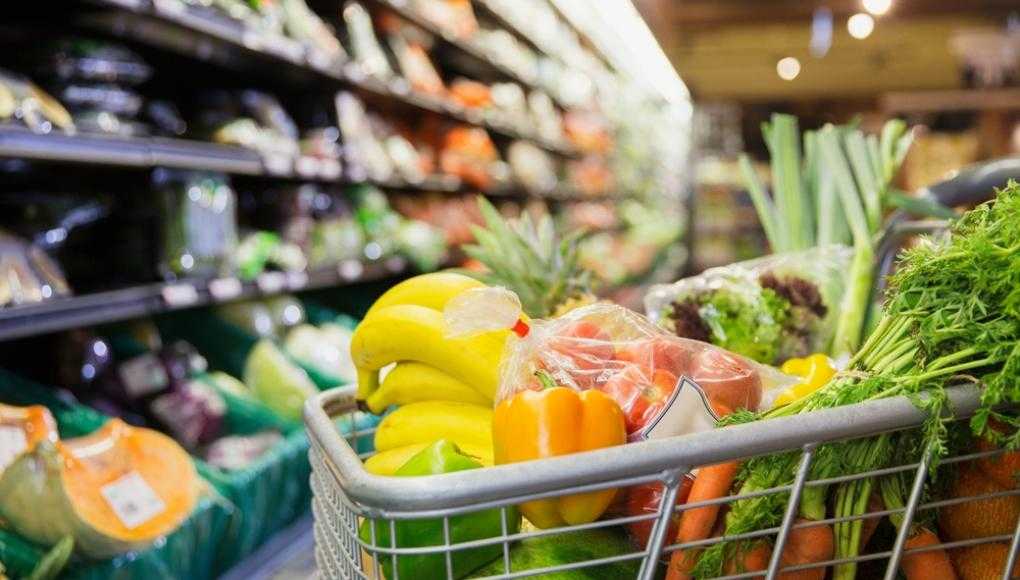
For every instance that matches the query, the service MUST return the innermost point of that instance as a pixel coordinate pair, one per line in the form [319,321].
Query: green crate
[226,346]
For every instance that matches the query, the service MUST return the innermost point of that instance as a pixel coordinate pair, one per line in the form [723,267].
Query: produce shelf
[138,301]
[144,152]
[202,33]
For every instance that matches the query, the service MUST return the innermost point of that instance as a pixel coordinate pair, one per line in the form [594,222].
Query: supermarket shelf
[128,152]
[206,35]
[142,152]
[115,305]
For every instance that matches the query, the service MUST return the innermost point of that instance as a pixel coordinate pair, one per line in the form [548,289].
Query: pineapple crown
[526,257]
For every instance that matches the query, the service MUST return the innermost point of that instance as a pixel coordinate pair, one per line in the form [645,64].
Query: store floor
[290,555]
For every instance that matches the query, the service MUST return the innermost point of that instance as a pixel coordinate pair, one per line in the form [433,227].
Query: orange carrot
[712,482]
[807,546]
[927,565]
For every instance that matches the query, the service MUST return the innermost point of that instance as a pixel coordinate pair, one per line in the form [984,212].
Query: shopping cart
[345,495]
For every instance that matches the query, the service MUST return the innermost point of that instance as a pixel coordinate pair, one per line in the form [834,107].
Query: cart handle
[391,496]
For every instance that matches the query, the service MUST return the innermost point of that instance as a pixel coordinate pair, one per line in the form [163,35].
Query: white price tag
[12,444]
[296,280]
[271,282]
[320,60]
[179,295]
[143,375]
[132,500]
[306,166]
[169,6]
[225,288]
[277,164]
[687,411]
[329,169]
[350,269]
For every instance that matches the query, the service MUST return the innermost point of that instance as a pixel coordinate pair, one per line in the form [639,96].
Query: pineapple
[525,256]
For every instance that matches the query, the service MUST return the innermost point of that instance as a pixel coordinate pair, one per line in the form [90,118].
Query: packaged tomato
[664,384]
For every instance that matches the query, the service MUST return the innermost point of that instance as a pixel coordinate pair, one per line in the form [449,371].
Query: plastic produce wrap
[770,309]
[27,274]
[23,102]
[665,385]
[199,235]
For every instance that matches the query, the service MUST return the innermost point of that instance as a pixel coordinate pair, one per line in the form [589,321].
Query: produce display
[104,490]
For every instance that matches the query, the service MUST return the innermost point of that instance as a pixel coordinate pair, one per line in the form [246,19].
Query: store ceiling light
[788,68]
[860,25]
[877,7]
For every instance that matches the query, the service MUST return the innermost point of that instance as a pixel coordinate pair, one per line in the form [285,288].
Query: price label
[225,288]
[251,39]
[277,164]
[329,169]
[400,86]
[350,269]
[687,411]
[169,6]
[320,60]
[306,166]
[12,444]
[271,282]
[179,295]
[143,375]
[296,280]
[132,500]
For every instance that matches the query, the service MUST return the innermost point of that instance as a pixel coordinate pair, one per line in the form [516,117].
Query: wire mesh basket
[346,496]
[357,513]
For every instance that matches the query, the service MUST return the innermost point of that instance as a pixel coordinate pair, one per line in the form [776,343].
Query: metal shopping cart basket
[345,495]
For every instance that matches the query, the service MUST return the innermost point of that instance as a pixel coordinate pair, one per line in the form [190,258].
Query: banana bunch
[444,387]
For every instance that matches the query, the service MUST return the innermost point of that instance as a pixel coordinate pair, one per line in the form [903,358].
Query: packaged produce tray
[191,551]
[256,501]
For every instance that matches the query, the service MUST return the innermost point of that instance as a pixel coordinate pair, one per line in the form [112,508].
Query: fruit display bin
[247,505]
[345,494]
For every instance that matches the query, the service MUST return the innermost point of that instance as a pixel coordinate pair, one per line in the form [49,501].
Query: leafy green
[952,313]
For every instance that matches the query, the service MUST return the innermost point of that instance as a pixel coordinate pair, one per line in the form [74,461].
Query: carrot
[754,560]
[807,546]
[712,482]
[875,504]
[927,565]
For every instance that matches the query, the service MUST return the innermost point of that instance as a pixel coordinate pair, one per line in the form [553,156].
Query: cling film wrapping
[664,385]
[769,309]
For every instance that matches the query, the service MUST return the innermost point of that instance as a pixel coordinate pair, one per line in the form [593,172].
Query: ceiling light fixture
[860,25]
[877,7]
[788,68]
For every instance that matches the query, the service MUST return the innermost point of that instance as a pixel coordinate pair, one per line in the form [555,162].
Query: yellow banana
[432,290]
[408,332]
[410,382]
[428,421]
[388,462]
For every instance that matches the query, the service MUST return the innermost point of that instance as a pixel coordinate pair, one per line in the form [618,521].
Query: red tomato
[641,394]
[728,380]
[584,344]
[657,353]
[645,499]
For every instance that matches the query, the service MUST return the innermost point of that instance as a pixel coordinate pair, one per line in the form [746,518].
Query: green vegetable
[54,561]
[567,548]
[440,457]
[844,180]
[952,313]
[277,382]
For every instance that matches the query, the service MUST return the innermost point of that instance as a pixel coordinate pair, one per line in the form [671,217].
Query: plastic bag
[770,309]
[665,385]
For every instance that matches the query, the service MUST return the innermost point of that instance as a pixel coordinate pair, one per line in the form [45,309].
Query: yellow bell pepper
[556,421]
[816,370]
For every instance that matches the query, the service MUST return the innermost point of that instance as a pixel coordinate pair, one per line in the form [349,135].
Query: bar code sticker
[687,411]
[143,375]
[132,500]
[12,444]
